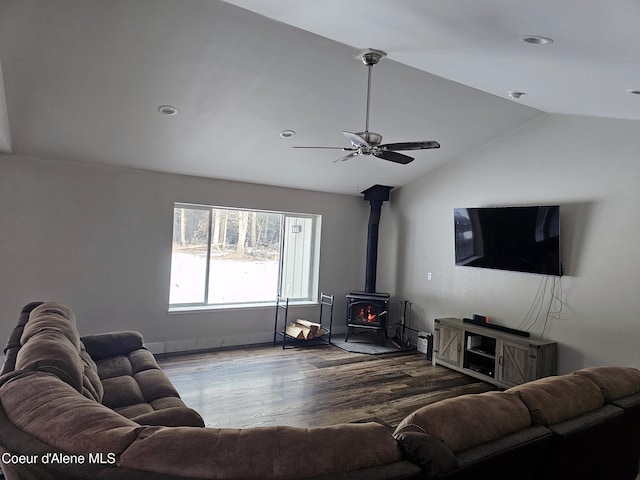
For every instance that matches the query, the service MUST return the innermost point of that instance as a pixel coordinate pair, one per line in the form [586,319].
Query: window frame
[312,267]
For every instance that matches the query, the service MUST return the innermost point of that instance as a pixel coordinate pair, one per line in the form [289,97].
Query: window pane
[245,256]
[298,257]
[189,255]
[223,256]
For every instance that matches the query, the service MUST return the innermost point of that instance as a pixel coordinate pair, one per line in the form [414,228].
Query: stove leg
[382,335]
[349,332]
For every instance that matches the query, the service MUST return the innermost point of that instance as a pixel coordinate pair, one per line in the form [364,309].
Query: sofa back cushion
[554,399]
[13,342]
[51,351]
[614,382]
[91,383]
[278,452]
[51,343]
[52,316]
[469,420]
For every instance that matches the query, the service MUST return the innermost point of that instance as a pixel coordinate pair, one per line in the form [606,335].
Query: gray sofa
[99,407]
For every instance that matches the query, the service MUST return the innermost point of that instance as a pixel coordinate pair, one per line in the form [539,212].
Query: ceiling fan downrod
[369,57]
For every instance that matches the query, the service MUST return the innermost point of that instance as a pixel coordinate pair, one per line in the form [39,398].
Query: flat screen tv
[522,239]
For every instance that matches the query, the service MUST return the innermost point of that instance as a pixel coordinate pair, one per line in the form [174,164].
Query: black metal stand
[403,331]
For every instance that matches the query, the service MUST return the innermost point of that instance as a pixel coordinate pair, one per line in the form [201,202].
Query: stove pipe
[376,196]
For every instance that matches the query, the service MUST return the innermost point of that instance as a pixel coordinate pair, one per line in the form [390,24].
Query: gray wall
[591,167]
[99,239]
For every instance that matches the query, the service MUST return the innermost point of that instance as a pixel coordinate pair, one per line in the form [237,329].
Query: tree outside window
[224,256]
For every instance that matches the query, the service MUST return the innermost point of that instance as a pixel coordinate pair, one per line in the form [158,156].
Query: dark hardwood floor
[264,386]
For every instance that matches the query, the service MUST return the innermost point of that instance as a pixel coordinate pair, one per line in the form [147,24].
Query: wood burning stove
[369,309]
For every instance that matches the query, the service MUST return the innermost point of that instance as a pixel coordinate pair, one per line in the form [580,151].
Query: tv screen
[522,239]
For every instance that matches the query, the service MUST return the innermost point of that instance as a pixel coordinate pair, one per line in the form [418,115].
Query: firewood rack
[282,320]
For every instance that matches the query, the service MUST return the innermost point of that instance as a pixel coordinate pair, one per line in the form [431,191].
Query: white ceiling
[83,80]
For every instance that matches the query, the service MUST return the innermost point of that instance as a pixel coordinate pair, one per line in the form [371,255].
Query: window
[224,256]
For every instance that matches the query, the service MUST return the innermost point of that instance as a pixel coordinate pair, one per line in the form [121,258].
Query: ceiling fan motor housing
[372,138]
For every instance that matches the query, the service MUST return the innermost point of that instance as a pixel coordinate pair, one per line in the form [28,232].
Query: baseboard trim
[195,345]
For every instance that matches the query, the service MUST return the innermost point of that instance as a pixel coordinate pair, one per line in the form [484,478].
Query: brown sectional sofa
[99,407]
[584,425]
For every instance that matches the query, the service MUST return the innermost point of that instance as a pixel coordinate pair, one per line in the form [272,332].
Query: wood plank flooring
[304,387]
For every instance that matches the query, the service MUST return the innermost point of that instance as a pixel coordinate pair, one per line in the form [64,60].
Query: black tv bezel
[558,272]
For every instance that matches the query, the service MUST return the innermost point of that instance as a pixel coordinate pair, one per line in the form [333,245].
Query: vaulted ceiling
[83,80]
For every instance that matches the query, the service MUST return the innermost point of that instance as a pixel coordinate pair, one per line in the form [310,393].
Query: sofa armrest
[171,417]
[428,452]
[106,345]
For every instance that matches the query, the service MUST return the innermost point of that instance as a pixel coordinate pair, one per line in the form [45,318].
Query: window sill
[236,307]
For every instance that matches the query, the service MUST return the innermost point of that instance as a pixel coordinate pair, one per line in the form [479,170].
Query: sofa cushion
[278,452]
[469,420]
[91,384]
[121,391]
[50,342]
[132,379]
[129,364]
[136,388]
[144,410]
[614,382]
[42,406]
[13,343]
[112,344]
[52,316]
[428,452]
[155,385]
[554,399]
[177,416]
[114,367]
[52,351]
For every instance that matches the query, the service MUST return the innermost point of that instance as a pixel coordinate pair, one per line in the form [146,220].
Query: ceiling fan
[369,143]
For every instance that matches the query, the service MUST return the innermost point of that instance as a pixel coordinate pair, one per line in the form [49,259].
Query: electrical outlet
[428,275]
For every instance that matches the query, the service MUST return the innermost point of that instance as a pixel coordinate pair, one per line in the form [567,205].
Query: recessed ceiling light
[634,91]
[515,94]
[167,110]
[287,133]
[536,39]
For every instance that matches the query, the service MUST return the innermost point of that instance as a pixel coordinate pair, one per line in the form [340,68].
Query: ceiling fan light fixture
[536,39]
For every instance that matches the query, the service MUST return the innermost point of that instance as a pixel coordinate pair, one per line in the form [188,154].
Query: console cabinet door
[449,343]
[515,364]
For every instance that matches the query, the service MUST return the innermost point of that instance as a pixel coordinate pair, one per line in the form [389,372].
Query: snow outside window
[230,256]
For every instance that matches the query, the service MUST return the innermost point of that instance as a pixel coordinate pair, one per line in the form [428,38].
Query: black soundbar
[482,323]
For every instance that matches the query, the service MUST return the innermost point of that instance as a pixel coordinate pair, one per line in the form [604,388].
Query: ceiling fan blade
[411,145]
[345,149]
[393,156]
[356,140]
[347,157]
